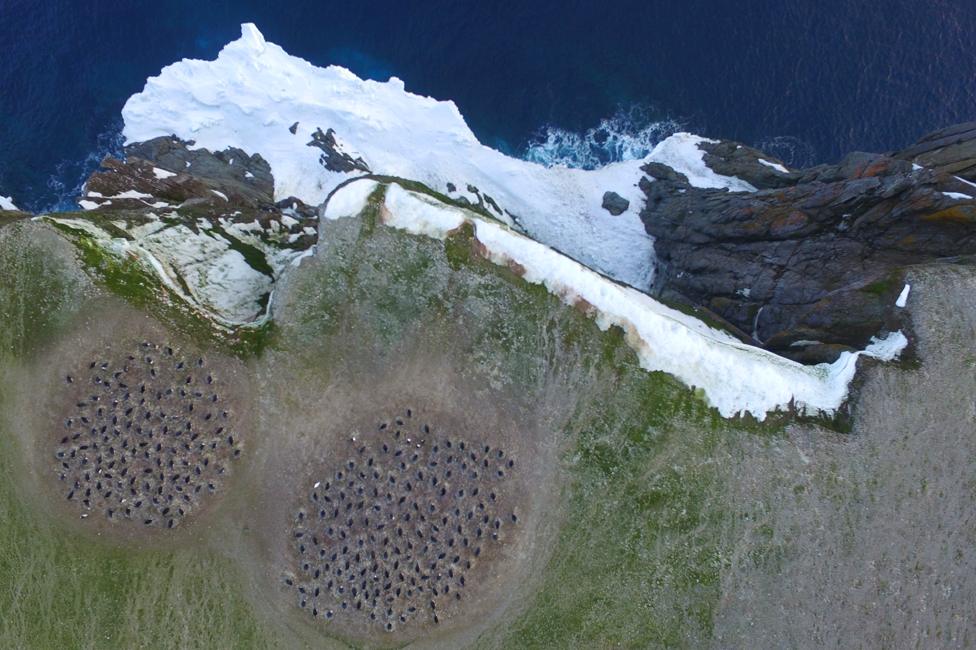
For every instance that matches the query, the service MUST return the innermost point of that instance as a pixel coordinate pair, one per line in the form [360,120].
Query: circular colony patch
[402,528]
[146,438]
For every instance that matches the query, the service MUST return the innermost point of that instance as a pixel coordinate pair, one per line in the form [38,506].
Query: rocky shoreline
[809,265]
[812,262]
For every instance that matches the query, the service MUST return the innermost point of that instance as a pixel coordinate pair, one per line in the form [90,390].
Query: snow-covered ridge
[257,97]
[320,128]
[734,377]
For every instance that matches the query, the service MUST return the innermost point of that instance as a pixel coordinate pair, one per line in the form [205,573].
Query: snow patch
[218,278]
[421,215]
[220,194]
[963,180]
[681,153]
[7,203]
[201,266]
[297,260]
[958,196]
[162,174]
[903,296]
[132,194]
[734,377]
[778,167]
[887,348]
[349,200]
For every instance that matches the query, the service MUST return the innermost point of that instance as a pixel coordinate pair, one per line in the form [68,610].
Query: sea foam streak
[628,135]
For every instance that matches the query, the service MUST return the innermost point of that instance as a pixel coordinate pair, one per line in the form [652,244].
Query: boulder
[614,203]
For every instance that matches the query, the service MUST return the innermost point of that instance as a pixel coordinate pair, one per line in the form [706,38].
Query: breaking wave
[65,184]
[628,135]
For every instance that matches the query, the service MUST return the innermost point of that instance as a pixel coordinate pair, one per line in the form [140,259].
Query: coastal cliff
[813,261]
[655,404]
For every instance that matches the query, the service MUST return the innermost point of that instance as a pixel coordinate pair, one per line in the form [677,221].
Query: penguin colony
[147,437]
[391,534]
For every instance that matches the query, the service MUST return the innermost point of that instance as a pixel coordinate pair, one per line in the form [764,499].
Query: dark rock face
[333,158]
[221,203]
[164,175]
[751,165]
[614,203]
[951,150]
[186,174]
[812,262]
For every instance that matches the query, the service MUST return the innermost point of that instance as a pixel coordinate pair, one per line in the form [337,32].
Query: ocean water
[567,82]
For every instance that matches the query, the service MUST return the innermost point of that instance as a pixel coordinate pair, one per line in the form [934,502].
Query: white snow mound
[254,92]
[734,377]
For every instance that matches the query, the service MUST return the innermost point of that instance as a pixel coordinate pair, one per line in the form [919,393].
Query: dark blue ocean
[808,80]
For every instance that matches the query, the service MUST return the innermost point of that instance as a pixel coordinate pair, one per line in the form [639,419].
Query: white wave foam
[628,135]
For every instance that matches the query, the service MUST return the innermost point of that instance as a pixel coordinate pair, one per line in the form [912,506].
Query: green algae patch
[459,246]
[638,559]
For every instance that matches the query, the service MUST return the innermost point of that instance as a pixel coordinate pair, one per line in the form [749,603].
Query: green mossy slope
[641,522]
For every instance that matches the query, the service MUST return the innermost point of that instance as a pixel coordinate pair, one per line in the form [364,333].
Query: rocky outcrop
[807,265]
[206,223]
[614,203]
[333,157]
[951,150]
[166,172]
[812,262]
